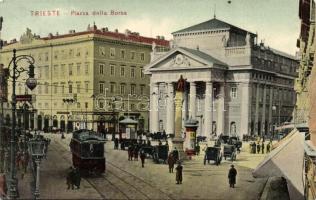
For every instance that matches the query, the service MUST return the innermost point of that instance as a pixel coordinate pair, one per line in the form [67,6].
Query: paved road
[128,180]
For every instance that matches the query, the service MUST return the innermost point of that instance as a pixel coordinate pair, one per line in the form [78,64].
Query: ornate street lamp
[31,84]
[37,149]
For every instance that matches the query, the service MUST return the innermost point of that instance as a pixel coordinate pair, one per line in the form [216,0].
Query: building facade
[86,79]
[306,44]
[235,86]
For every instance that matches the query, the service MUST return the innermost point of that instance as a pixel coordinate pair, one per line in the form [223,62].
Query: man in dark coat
[179,169]
[70,178]
[258,147]
[175,154]
[130,152]
[262,147]
[142,157]
[116,143]
[232,176]
[171,162]
[77,178]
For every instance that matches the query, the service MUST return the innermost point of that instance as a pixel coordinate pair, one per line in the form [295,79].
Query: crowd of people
[260,146]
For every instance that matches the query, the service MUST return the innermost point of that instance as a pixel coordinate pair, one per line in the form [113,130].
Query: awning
[128,121]
[286,160]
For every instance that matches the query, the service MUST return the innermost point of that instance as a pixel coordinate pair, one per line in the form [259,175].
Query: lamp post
[31,84]
[37,149]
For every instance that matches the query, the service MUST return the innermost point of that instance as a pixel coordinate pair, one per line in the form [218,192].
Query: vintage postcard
[178,99]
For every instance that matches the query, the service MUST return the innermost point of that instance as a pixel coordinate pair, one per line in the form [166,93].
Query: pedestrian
[179,169]
[258,147]
[70,178]
[148,142]
[262,147]
[135,153]
[232,176]
[77,178]
[268,147]
[254,147]
[175,154]
[142,157]
[159,142]
[116,143]
[130,152]
[171,162]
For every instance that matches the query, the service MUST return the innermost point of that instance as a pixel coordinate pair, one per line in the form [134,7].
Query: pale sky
[275,21]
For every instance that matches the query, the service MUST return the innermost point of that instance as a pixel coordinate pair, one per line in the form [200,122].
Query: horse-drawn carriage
[87,150]
[230,151]
[160,152]
[213,153]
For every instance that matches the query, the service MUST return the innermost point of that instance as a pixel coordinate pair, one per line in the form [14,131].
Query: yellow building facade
[90,79]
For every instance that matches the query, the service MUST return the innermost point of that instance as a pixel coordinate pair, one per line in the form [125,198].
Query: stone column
[170,109]
[221,110]
[184,108]
[270,110]
[154,108]
[192,111]
[257,109]
[245,108]
[208,109]
[264,110]
[150,107]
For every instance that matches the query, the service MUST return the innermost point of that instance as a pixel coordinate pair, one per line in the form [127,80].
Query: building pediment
[183,58]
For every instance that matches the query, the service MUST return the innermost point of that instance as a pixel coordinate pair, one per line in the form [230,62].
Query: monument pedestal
[178,143]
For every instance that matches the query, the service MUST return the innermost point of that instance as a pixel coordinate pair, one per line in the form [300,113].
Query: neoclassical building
[92,78]
[235,86]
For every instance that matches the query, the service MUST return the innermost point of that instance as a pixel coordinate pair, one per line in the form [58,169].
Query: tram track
[129,192]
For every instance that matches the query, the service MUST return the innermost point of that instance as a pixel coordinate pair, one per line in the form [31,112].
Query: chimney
[116,30]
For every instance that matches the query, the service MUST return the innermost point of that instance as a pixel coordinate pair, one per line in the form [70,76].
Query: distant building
[236,86]
[100,70]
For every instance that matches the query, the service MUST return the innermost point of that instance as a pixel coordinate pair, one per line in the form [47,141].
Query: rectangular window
[142,89]
[55,55]
[39,89]
[122,71]
[46,88]
[141,72]
[101,51]
[86,69]
[70,69]
[132,55]
[142,56]
[122,89]
[63,89]
[112,88]
[62,70]
[87,87]
[101,88]
[133,89]
[78,69]
[70,89]
[122,54]
[55,88]
[112,52]
[78,88]
[132,72]
[101,68]
[46,56]
[55,70]
[112,70]
[233,92]
[78,52]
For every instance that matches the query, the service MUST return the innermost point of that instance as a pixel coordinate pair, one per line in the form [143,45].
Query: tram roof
[84,135]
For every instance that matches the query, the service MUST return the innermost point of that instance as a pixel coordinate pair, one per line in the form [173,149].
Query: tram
[87,150]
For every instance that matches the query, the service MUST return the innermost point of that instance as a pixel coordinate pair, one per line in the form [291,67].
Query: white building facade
[234,85]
